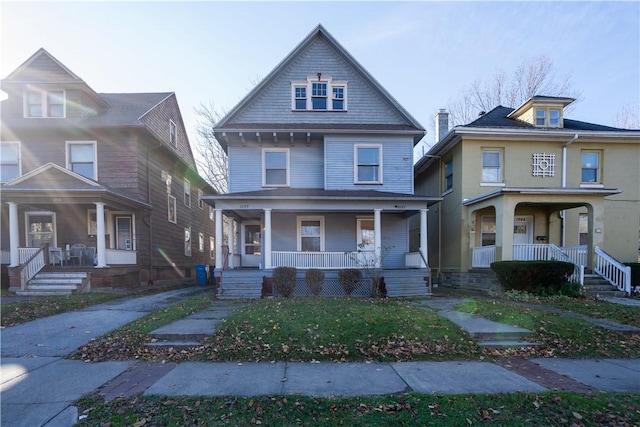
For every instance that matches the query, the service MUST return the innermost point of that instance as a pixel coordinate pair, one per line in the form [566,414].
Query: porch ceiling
[569,197]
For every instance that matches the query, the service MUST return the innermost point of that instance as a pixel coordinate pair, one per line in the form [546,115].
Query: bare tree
[210,157]
[628,117]
[534,76]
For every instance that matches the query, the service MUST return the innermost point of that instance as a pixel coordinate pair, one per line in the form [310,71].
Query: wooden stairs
[52,283]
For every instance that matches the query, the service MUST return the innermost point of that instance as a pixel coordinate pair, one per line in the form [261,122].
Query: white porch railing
[120,257]
[614,271]
[25,253]
[321,260]
[31,266]
[577,254]
[483,256]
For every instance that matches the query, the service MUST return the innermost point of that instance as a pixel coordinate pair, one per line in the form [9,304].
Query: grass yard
[413,409]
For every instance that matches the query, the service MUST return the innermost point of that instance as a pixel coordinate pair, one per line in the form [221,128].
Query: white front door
[124,239]
[251,249]
[523,230]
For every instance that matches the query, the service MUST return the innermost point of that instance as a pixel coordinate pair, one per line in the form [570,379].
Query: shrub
[284,280]
[538,277]
[314,279]
[349,279]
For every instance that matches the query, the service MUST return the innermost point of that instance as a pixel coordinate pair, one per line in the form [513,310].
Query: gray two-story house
[320,176]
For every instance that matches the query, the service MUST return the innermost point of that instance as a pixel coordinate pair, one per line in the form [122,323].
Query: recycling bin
[201,274]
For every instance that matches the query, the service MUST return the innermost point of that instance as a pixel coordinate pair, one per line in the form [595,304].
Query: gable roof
[318,32]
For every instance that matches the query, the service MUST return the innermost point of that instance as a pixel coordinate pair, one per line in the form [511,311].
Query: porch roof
[320,200]
[549,191]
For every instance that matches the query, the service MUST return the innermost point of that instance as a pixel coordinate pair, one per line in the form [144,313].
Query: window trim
[201,242]
[187,241]
[186,190]
[485,219]
[299,220]
[212,247]
[446,188]
[172,200]
[329,97]
[173,133]
[44,104]
[599,178]
[95,156]
[356,163]
[264,166]
[28,214]
[19,159]
[200,201]
[359,243]
[212,213]
[500,178]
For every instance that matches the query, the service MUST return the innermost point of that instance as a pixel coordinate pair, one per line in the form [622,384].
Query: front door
[251,249]
[41,229]
[124,236]
[523,230]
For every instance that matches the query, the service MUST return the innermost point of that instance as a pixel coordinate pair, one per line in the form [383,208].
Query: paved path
[37,386]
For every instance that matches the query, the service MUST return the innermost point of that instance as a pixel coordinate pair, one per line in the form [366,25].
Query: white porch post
[218,225]
[423,237]
[100,230]
[231,241]
[14,235]
[377,238]
[267,238]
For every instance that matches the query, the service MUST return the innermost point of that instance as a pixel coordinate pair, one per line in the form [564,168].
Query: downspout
[564,181]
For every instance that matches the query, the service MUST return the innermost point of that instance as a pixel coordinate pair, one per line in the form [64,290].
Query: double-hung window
[554,118]
[200,242]
[310,234]
[591,172]
[368,164]
[541,117]
[319,95]
[171,209]
[200,201]
[187,193]
[448,175]
[491,170]
[173,133]
[338,98]
[9,161]
[300,94]
[187,241]
[82,158]
[275,170]
[44,104]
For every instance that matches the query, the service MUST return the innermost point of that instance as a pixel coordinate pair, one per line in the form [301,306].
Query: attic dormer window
[541,117]
[44,103]
[320,88]
[547,117]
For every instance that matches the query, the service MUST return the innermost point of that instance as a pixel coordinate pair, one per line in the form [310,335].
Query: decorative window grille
[544,164]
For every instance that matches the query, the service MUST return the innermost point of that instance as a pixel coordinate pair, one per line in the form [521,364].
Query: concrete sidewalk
[38,387]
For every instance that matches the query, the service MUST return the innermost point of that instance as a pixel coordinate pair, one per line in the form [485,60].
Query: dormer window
[44,103]
[541,117]
[554,118]
[320,88]
[547,117]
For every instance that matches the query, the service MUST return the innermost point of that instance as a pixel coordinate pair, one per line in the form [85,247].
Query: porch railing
[483,256]
[613,270]
[121,257]
[31,266]
[321,260]
[24,254]
[578,254]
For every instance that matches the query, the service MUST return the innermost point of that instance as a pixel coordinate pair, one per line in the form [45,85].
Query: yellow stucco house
[529,183]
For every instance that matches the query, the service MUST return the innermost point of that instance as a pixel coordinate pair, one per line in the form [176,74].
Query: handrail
[32,266]
[424,259]
[615,272]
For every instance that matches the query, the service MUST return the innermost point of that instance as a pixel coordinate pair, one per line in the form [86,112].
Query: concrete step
[57,274]
[55,281]
[44,292]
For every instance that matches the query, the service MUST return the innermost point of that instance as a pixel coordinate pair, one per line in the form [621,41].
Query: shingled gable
[267,106]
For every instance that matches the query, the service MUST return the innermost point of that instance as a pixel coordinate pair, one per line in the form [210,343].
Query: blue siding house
[320,176]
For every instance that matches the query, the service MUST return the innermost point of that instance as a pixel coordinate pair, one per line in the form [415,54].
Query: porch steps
[50,283]
[238,284]
[596,286]
[406,283]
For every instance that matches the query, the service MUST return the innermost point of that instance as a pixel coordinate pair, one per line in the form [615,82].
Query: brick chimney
[442,124]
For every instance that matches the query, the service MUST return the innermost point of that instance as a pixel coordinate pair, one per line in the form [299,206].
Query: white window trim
[44,102]
[200,201]
[308,84]
[600,182]
[184,239]
[186,189]
[172,200]
[264,166]
[172,125]
[212,214]
[355,163]
[27,214]
[547,117]
[201,242]
[299,220]
[18,143]
[500,180]
[95,155]
[212,247]
[106,221]
[359,221]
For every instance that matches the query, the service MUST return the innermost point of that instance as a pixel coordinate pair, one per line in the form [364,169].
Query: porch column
[218,225]
[100,230]
[267,238]
[377,238]
[232,245]
[596,232]
[14,235]
[423,237]
[505,213]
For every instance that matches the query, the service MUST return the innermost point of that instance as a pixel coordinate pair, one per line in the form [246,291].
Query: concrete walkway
[38,386]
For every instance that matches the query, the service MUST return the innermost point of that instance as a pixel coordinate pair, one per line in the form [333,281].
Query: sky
[424,53]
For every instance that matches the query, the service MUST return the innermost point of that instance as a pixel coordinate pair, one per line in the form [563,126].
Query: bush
[538,277]
[349,279]
[284,280]
[314,279]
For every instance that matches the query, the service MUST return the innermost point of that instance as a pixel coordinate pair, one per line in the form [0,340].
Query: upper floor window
[211,213]
[554,118]
[44,103]
[448,175]
[368,167]
[200,201]
[9,161]
[549,117]
[212,248]
[187,193]
[82,158]
[171,209]
[200,242]
[541,117]
[326,94]
[173,133]
[275,171]
[591,173]
[187,241]
[491,170]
